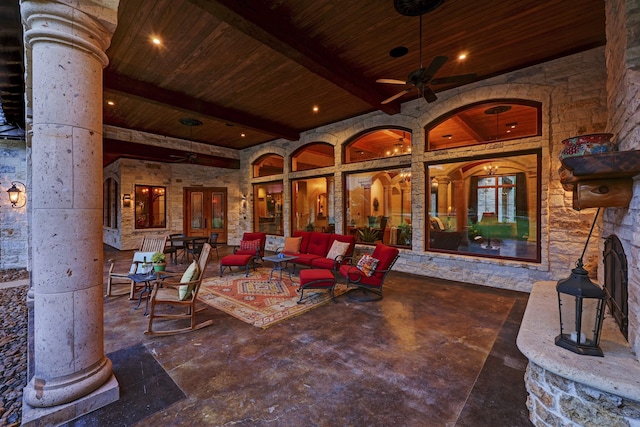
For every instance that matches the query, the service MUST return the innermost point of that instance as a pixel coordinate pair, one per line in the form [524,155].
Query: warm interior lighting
[111,103]
[156,41]
[462,56]
[315,108]
[242,135]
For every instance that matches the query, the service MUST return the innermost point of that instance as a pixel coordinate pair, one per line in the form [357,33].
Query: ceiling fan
[421,78]
[189,157]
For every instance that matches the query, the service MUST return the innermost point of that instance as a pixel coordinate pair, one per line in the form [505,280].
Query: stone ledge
[618,372]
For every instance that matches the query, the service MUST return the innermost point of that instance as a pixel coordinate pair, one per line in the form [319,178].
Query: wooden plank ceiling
[252,71]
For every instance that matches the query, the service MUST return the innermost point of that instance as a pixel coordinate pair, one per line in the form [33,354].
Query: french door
[205,211]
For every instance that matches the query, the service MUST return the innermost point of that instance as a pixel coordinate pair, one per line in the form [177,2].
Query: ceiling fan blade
[391,81]
[433,68]
[429,94]
[396,96]
[462,78]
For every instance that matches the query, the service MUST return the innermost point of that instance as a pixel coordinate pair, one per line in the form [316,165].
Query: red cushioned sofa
[315,246]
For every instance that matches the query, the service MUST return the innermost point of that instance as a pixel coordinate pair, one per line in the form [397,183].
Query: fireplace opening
[615,282]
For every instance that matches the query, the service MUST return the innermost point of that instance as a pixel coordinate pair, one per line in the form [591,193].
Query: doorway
[205,212]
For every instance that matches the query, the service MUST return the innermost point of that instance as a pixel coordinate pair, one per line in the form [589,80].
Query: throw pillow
[338,249]
[190,274]
[292,245]
[250,245]
[367,264]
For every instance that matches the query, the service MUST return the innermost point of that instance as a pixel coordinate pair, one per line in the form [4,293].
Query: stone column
[67,41]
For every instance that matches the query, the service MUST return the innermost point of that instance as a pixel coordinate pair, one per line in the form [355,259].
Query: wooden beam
[259,22]
[157,95]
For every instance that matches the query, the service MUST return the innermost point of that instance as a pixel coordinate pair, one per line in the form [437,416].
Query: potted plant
[159,261]
[368,234]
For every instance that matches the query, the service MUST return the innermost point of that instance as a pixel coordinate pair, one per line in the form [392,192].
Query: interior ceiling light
[315,108]
[243,135]
[156,41]
[111,103]
[462,56]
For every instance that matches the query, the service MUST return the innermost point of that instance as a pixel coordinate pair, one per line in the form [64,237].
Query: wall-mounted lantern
[16,200]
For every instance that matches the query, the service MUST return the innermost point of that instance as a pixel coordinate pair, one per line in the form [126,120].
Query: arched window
[484,122]
[267,165]
[312,156]
[378,143]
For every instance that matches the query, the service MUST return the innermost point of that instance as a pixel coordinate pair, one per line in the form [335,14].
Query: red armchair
[247,248]
[368,277]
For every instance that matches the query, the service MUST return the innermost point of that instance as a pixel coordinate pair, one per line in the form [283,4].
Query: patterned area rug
[259,301]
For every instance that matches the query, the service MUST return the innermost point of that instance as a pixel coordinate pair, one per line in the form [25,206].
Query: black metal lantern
[581,305]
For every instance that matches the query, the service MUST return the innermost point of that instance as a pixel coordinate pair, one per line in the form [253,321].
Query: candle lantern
[581,305]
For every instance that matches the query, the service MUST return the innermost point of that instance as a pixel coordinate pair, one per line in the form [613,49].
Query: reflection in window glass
[268,207]
[267,165]
[486,207]
[490,121]
[378,144]
[312,156]
[311,204]
[378,206]
[150,207]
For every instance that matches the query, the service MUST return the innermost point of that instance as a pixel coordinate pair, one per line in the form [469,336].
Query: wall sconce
[244,200]
[14,194]
[434,185]
[126,200]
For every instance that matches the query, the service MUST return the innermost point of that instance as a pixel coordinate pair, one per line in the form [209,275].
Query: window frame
[280,209]
[141,224]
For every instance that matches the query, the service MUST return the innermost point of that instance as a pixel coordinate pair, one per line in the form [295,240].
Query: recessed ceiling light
[447,136]
[462,56]
[156,41]
[111,103]
[315,108]
[242,135]
[398,52]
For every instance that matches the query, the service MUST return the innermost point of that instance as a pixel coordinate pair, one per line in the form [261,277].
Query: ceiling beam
[266,26]
[159,96]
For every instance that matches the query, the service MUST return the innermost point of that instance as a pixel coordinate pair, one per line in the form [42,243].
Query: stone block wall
[623,86]
[14,226]
[556,401]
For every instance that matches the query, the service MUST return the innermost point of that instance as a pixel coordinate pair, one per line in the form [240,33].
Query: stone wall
[14,226]
[623,86]
[573,94]
[556,401]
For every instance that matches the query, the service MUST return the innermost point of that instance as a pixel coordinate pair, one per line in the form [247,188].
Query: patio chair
[176,245]
[177,305]
[148,246]
[213,241]
[368,275]
[252,244]
[194,246]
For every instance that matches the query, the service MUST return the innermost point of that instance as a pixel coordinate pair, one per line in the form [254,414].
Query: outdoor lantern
[14,194]
[581,305]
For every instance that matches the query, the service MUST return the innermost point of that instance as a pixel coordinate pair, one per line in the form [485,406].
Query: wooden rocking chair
[148,246]
[169,296]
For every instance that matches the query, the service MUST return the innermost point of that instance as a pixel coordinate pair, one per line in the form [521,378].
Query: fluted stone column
[68,40]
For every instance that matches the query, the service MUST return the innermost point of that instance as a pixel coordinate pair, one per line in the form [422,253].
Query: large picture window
[268,207]
[378,144]
[378,206]
[150,207]
[488,207]
[313,204]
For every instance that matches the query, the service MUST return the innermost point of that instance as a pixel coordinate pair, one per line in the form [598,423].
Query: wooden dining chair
[148,246]
[166,303]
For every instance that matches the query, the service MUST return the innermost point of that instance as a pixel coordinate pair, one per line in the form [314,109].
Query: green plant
[158,258]
[367,234]
[404,234]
